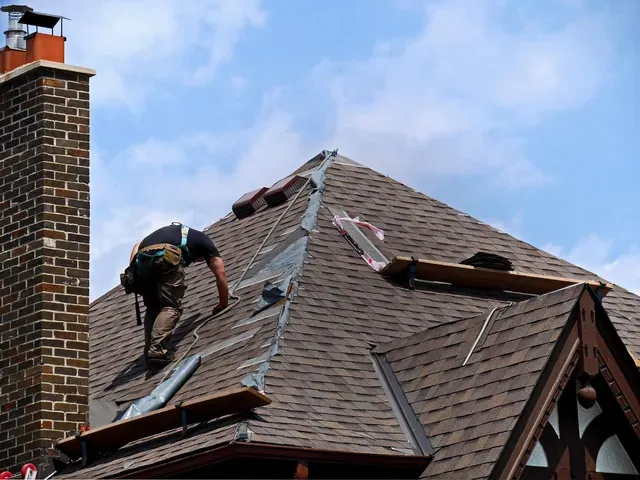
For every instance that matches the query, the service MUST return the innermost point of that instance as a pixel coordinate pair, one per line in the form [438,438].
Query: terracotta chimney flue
[23,46]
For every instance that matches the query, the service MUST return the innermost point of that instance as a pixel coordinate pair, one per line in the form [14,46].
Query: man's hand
[219,307]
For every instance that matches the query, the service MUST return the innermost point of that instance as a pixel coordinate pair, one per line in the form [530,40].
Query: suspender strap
[184,231]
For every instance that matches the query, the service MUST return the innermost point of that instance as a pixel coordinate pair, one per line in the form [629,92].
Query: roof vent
[489,260]
[15,33]
[284,189]
[249,203]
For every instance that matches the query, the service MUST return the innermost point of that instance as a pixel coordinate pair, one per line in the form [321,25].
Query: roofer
[156,271]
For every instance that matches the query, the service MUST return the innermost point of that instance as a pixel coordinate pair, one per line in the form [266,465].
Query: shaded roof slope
[468,411]
[325,390]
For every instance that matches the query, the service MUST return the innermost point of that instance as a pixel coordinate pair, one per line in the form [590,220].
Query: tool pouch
[128,280]
[172,255]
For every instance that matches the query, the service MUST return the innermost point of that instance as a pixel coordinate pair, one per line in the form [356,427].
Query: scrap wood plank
[478,277]
[116,435]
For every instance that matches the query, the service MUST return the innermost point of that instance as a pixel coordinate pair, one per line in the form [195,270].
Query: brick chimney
[44,254]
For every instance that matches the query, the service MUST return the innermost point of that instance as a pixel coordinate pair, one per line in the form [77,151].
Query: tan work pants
[164,306]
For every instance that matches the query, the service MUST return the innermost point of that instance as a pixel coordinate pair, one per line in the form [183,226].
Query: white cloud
[224,22]
[155,153]
[548,72]
[133,44]
[238,83]
[458,98]
[595,254]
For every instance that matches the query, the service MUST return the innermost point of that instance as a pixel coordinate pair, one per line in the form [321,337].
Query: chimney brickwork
[44,259]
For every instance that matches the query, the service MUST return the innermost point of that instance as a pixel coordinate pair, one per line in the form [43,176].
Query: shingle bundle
[489,260]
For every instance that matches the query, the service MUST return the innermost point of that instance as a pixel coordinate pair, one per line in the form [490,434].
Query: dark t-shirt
[199,245]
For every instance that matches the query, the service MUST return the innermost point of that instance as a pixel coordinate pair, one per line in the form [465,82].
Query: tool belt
[137,275]
[169,253]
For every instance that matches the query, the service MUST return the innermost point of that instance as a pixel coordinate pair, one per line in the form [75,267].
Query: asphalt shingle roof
[325,390]
[468,412]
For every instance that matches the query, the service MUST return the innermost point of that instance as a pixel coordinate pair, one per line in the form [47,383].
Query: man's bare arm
[216,265]
[134,251]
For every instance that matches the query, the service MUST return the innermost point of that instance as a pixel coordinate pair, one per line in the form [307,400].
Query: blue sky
[523,113]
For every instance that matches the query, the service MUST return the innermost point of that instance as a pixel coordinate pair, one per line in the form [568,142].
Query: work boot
[158,358]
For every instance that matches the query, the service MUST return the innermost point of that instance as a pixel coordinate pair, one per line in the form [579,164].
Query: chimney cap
[16,8]
[38,19]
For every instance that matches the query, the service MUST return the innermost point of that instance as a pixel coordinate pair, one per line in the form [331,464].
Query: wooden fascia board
[113,436]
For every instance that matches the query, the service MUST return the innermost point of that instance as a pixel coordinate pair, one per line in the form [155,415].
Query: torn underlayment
[287,288]
[256,379]
[160,395]
[271,295]
[315,199]
[282,260]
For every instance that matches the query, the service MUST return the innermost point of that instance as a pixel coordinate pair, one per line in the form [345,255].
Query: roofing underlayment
[311,352]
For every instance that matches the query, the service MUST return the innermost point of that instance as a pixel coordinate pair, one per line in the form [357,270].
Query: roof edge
[184,463]
[611,337]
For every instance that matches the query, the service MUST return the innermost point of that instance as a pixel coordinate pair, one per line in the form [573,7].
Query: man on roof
[160,260]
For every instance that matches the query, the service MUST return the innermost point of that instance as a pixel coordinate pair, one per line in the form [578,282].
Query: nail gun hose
[237,298]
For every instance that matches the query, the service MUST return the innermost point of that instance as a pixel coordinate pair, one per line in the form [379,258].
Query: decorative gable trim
[592,339]
[552,405]
[621,390]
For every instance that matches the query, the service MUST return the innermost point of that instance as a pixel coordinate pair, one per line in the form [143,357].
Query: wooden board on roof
[477,277]
[113,436]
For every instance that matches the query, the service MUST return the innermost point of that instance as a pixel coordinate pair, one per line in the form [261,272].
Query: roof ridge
[257,379]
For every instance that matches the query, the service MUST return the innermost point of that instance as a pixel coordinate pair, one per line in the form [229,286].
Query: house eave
[406,466]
